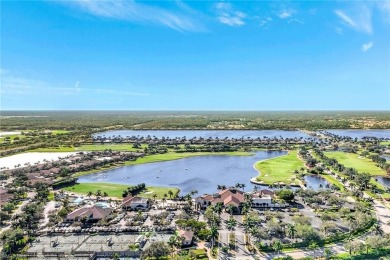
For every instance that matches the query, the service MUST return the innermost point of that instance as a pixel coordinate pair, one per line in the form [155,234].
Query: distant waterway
[201,173]
[360,133]
[205,133]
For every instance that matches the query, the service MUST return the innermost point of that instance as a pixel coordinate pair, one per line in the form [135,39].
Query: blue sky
[197,55]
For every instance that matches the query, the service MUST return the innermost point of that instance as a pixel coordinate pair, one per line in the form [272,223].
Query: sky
[195,55]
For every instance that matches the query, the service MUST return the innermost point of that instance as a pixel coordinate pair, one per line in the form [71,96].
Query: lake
[383,180]
[205,133]
[360,133]
[315,182]
[201,173]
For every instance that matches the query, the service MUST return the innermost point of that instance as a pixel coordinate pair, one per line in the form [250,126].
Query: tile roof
[186,234]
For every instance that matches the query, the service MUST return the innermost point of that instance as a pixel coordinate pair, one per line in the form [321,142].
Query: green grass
[352,160]
[58,132]
[51,196]
[160,158]
[385,143]
[279,169]
[54,150]
[115,190]
[12,137]
[333,181]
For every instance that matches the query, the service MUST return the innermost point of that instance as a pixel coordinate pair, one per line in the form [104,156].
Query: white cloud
[367,46]
[286,13]
[227,15]
[360,20]
[182,19]
[265,21]
[14,85]
[384,8]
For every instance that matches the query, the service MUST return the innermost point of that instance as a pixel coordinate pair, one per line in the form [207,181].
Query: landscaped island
[279,170]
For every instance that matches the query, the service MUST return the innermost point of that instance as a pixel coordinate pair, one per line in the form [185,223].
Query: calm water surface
[384,180]
[315,182]
[201,173]
[360,133]
[205,133]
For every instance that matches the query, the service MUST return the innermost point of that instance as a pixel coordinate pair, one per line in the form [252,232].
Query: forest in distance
[191,120]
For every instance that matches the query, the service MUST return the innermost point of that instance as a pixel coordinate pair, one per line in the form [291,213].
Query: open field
[385,143]
[361,164]
[115,190]
[279,169]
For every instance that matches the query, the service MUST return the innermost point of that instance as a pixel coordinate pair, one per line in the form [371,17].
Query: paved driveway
[383,214]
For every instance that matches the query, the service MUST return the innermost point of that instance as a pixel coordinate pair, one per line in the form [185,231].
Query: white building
[135,203]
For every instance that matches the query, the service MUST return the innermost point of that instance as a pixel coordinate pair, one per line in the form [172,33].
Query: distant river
[201,173]
[205,133]
[360,133]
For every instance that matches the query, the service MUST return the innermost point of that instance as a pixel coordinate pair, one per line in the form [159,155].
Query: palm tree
[164,200]
[89,194]
[213,235]
[231,224]
[378,229]
[277,246]
[291,230]
[245,209]
[230,209]
[173,242]
[218,209]
[170,193]
[98,193]
[154,196]
[243,186]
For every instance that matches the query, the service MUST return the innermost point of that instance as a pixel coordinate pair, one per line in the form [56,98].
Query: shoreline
[186,155]
[254,180]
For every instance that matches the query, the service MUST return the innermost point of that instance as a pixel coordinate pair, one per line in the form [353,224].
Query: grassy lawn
[385,143]
[160,158]
[58,132]
[12,137]
[115,190]
[361,164]
[279,169]
[54,150]
[333,181]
